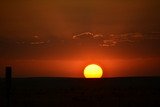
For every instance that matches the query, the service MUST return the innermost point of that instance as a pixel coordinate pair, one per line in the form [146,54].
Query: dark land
[69,92]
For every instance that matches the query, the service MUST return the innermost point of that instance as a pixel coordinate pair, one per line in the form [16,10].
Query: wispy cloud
[34,40]
[83,35]
[111,40]
[117,39]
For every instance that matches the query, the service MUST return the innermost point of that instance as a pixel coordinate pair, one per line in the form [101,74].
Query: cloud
[126,44]
[34,40]
[118,39]
[85,35]
[88,38]
[107,40]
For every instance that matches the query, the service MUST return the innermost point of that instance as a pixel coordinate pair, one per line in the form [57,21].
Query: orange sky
[59,38]
[74,68]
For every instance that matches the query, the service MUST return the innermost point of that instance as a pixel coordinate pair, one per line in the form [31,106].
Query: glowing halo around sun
[93,71]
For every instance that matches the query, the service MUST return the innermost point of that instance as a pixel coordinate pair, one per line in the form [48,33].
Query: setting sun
[93,71]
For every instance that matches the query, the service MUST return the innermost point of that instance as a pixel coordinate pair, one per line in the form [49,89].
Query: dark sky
[59,38]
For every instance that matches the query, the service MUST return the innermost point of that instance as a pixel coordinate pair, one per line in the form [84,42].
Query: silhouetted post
[8,76]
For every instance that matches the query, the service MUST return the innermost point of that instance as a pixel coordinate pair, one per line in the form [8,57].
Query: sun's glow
[93,71]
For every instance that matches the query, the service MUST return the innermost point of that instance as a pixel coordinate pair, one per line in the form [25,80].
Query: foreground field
[113,92]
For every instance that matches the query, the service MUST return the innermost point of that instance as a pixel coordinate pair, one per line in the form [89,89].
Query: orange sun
[93,71]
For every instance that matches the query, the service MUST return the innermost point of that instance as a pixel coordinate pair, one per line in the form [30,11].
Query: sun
[93,71]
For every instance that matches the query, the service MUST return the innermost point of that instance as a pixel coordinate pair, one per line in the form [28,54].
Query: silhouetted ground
[68,92]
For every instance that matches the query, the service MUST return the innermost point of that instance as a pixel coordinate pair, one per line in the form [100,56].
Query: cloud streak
[110,40]
[125,44]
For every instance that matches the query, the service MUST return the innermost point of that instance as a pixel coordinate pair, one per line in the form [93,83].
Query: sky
[59,38]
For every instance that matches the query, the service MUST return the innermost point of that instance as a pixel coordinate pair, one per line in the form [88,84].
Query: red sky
[59,38]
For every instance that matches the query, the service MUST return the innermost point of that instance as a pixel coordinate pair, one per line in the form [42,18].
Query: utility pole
[8,79]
